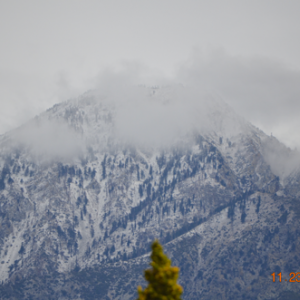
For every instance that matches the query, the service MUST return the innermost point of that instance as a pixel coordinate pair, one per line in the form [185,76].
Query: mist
[48,140]
[212,91]
[283,161]
[162,110]
[263,91]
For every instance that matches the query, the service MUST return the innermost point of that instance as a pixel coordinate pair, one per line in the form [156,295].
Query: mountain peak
[91,182]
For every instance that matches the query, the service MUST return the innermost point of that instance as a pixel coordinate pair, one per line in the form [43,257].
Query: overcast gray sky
[246,51]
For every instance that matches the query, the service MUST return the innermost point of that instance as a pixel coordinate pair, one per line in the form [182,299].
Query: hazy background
[247,52]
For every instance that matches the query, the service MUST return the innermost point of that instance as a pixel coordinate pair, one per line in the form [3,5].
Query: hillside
[86,186]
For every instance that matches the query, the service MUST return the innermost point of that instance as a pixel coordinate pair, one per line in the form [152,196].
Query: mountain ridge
[77,197]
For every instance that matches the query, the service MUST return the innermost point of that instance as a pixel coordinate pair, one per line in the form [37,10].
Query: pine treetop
[162,278]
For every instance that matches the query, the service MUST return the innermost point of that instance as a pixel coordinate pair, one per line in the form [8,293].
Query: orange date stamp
[294,277]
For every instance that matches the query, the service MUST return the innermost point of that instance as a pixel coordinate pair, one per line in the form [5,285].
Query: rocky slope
[81,200]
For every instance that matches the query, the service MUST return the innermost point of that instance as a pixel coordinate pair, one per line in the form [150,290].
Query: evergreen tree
[103,167]
[162,278]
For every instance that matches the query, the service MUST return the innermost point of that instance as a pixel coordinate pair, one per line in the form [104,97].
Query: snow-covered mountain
[88,185]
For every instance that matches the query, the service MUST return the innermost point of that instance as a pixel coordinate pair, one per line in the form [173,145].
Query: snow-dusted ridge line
[75,195]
